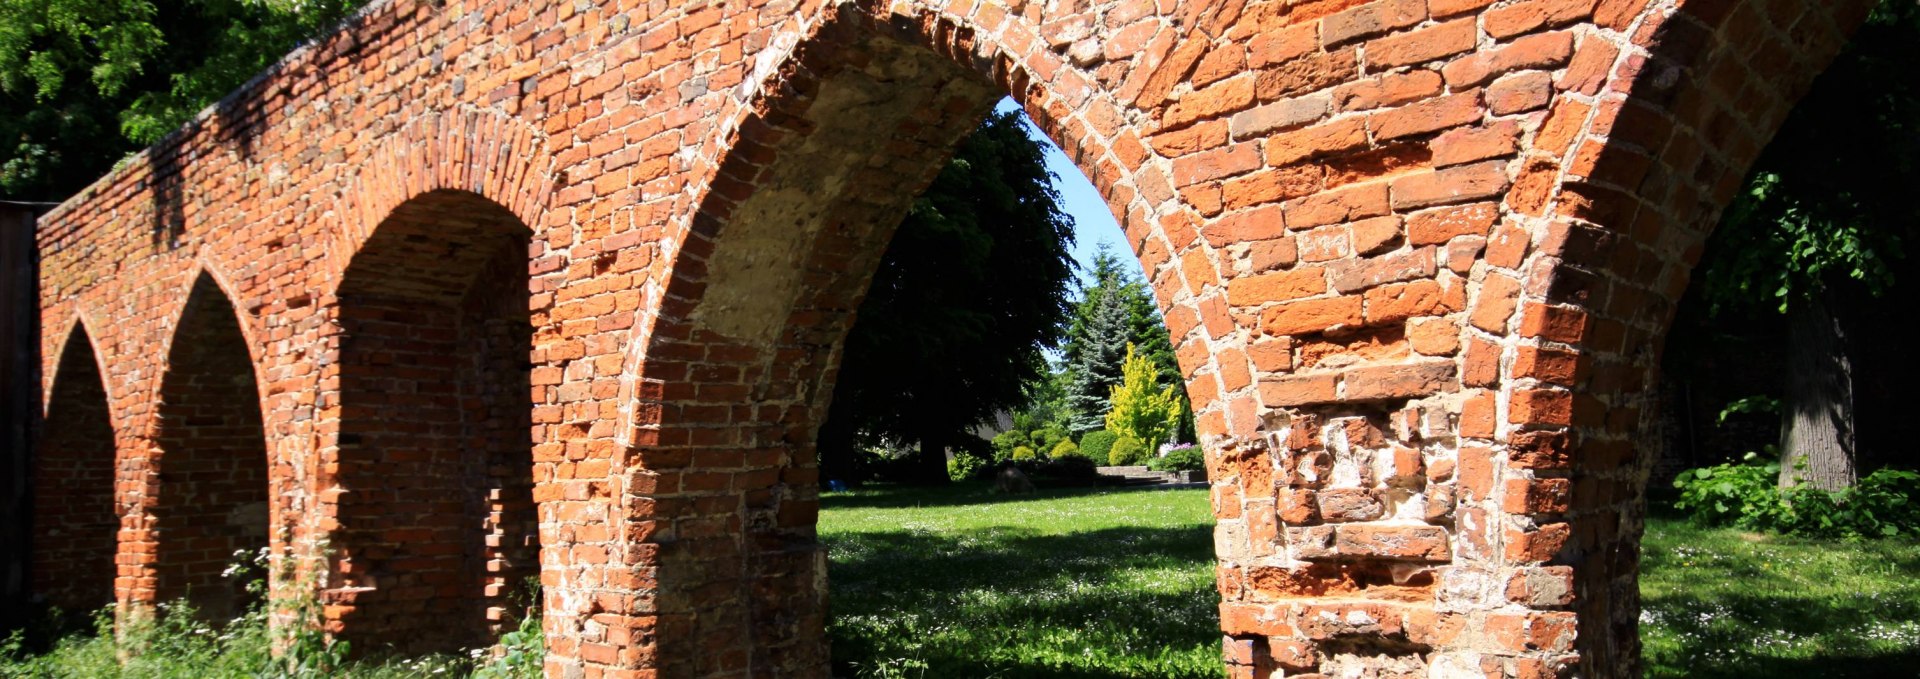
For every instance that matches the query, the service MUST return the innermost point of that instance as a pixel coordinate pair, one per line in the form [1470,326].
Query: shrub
[1185,457]
[1141,408]
[963,467]
[1046,438]
[1127,450]
[1096,444]
[1066,448]
[1006,441]
[1746,494]
[1069,468]
[1022,453]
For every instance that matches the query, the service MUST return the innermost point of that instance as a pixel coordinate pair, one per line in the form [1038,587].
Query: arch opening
[438,531]
[212,507]
[781,253]
[75,520]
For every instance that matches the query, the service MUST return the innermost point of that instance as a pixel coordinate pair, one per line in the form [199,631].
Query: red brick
[1543,51]
[1451,185]
[1339,135]
[1277,287]
[1412,543]
[1294,391]
[1427,116]
[1395,382]
[1370,19]
[1498,139]
[1393,303]
[1519,92]
[1347,203]
[1311,316]
[1532,15]
[1392,89]
[1439,225]
[1420,46]
[1377,235]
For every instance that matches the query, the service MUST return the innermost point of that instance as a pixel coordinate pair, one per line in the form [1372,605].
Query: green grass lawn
[1083,583]
[1057,584]
[1723,603]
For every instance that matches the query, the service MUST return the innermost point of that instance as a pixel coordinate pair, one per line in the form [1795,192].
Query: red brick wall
[74,517]
[1417,257]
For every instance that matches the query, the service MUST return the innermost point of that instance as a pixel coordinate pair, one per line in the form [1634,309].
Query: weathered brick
[1311,316]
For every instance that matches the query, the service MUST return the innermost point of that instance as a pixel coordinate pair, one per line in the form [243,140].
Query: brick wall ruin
[1417,258]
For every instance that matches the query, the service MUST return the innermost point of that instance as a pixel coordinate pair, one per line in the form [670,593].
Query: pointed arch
[75,519]
[212,505]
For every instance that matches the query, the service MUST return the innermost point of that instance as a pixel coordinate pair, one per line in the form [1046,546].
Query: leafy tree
[1143,411]
[1821,220]
[971,291]
[85,82]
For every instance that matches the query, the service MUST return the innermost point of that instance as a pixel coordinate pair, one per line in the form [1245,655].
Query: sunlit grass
[1723,603]
[1059,584]
[961,583]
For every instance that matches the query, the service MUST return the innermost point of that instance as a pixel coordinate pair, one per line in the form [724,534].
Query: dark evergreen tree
[971,292]
[1096,351]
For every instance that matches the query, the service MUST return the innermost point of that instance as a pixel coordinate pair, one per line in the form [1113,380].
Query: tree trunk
[931,468]
[1816,417]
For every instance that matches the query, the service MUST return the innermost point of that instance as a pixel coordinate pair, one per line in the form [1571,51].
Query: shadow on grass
[1745,637]
[1010,602]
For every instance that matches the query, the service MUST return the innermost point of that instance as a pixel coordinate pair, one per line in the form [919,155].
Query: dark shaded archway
[213,490]
[437,523]
[75,522]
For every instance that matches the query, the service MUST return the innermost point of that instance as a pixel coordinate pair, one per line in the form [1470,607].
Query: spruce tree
[1096,354]
[1115,309]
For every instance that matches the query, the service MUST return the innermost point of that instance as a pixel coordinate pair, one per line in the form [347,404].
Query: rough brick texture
[1417,257]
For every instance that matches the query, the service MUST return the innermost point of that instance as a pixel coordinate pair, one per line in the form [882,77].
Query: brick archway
[76,521]
[1417,257]
[432,487]
[213,473]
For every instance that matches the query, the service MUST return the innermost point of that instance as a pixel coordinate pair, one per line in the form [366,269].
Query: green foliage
[1181,458]
[1747,495]
[1749,404]
[1022,454]
[970,293]
[1830,199]
[1006,441]
[1064,449]
[1115,309]
[1142,409]
[175,640]
[1126,451]
[522,652]
[963,467]
[1097,444]
[85,82]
